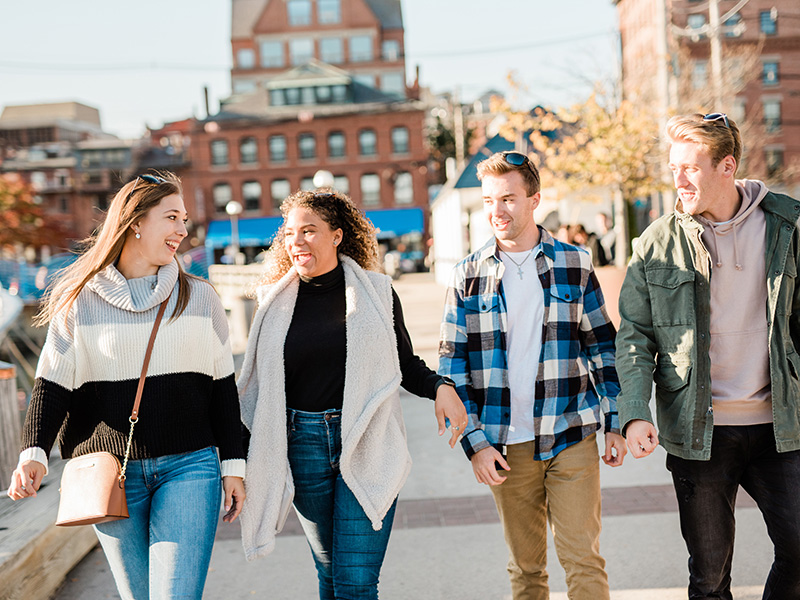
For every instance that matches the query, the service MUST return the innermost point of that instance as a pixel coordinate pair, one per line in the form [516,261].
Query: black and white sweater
[89,369]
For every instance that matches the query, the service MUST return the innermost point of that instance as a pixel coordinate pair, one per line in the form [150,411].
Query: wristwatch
[447,381]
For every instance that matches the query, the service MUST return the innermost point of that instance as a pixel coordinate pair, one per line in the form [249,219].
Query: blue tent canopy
[259,231]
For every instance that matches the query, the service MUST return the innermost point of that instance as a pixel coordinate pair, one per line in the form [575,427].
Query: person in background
[327,354]
[101,311]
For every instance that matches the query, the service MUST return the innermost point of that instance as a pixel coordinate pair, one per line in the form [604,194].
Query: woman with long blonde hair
[327,354]
[100,313]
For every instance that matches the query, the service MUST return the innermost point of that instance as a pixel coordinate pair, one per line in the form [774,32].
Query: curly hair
[339,212]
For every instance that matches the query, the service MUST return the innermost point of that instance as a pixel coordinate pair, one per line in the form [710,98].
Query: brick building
[61,150]
[667,60]
[317,86]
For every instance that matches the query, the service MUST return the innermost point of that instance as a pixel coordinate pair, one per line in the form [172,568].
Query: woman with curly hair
[319,389]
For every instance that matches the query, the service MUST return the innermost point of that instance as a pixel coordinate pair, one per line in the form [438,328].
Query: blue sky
[147,61]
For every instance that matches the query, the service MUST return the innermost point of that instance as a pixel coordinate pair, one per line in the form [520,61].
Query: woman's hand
[26,479]
[234,497]
[449,406]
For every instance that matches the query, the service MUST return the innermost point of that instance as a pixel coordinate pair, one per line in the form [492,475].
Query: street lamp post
[234,209]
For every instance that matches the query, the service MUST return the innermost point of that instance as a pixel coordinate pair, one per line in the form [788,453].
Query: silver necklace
[519,264]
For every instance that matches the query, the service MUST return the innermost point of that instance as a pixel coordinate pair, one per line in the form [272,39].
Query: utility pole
[716,52]
[458,130]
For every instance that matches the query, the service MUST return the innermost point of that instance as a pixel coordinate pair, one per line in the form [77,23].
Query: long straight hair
[130,205]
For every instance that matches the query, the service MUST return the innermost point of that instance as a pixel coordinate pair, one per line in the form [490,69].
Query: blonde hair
[497,164]
[719,139]
[130,205]
[339,212]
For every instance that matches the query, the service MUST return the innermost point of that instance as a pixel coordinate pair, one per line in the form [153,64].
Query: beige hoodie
[740,382]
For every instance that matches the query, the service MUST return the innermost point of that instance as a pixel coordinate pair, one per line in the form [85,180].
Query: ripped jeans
[706,490]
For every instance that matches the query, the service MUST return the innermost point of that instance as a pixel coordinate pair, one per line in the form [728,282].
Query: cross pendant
[519,272]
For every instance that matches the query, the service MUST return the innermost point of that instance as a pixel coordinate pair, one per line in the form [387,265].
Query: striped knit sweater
[89,369]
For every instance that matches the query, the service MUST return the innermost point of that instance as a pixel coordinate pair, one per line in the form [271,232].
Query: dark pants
[706,490]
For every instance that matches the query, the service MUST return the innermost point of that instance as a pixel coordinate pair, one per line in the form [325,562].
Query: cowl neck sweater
[136,295]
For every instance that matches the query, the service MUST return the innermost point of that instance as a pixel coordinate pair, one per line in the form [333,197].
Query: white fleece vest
[375,461]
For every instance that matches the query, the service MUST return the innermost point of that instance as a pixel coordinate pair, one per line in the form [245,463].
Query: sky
[146,62]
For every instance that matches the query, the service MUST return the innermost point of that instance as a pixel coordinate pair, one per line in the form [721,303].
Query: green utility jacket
[664,334]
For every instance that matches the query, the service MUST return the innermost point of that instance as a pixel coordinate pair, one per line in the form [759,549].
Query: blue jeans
[347,551]
[706,490]
[163,550]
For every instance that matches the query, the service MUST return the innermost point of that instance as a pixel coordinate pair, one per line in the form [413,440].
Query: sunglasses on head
[518,159]
[712,117]
[152,179]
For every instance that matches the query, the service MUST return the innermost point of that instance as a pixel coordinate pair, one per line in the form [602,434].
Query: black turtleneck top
[315,348]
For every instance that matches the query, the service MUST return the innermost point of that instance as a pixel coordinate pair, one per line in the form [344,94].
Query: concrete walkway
[447,542]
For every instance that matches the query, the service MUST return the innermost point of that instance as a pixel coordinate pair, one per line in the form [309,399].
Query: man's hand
[483,465]
[642,437]
[25,480]
[615,450]
[449,406]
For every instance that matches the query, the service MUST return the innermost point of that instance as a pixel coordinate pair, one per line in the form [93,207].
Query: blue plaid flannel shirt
[576,383]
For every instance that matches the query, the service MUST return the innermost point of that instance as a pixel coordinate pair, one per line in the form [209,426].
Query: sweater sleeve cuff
[36,454]
[234,467]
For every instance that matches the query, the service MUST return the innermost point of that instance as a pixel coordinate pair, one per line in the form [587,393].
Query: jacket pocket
[483,303]
[671,295]
[565,293]
[794,363]
[672,374]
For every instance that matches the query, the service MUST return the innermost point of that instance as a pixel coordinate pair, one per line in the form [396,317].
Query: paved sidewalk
[447,542]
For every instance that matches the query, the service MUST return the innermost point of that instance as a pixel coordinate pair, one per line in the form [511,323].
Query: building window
[403,188]
[299,12]
[292,95]
[64,204]
[330,11]
[243,86]
[730,25]
[393,84]
[772,116]
[336,145]
[360,48]
[341,183]
[279,189]
[699,74]
[770,73]
[277,148]
[219,152]
[324,94]
[308,96]
[696,21]
[331,50]
[339,93]
[774,159]
[307,144]
[222,195]
[246,58]
[769,26]
[251,194]
[101,200]
[739,110]
[248,151]
[307,184]
[301,50]
[390,50]
[367,142]
[370,189]
[277,97]
[272,54]
[399,140]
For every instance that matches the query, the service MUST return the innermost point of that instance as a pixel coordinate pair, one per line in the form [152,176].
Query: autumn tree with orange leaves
[22,220]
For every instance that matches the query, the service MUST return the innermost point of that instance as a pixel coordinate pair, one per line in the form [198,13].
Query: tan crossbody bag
[93,485]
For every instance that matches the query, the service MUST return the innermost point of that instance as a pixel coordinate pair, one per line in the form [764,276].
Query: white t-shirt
[525,307]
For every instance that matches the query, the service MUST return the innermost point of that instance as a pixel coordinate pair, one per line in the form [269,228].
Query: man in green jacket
[710,312]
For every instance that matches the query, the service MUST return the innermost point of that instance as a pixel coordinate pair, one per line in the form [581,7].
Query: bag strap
[134,418]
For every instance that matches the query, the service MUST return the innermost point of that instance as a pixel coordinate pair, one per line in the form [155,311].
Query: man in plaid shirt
[529,346]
